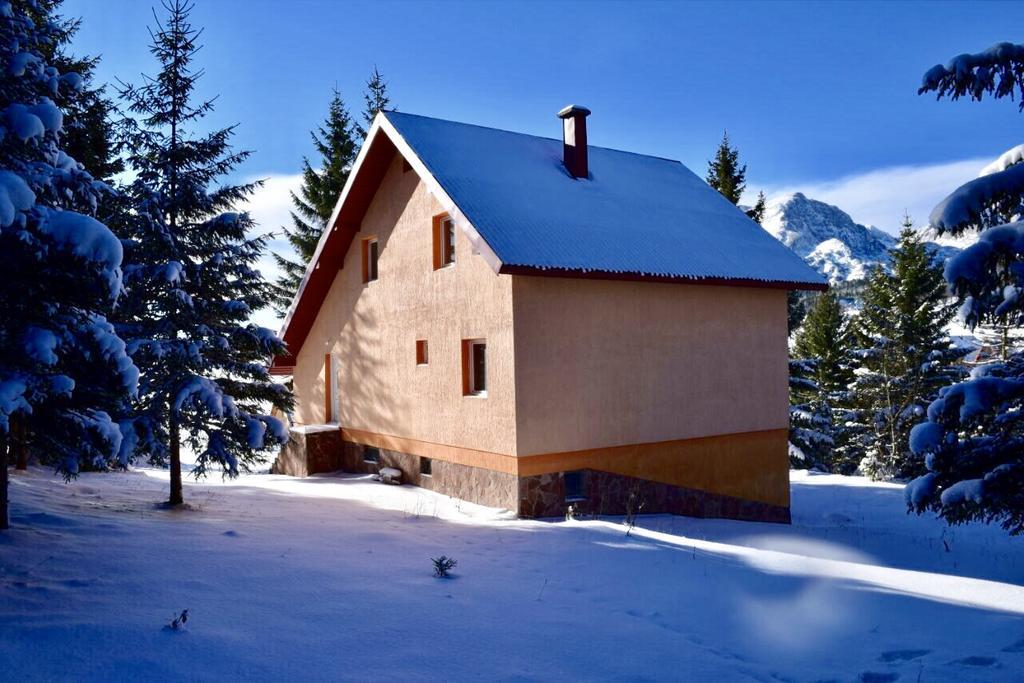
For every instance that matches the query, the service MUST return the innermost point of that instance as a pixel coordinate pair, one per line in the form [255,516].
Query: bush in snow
[973,439]
[62,367]
[443,565]
[635,503]
[904,354]
[190,281]
[179,621]
[822,431]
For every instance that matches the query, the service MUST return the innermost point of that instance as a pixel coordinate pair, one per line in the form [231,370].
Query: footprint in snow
[838,518]
[894,656]
[877,677]
[977,660]
[1015,647]
[232,533]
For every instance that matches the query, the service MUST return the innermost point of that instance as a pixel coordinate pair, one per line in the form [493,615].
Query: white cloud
[269,206]
[880,197]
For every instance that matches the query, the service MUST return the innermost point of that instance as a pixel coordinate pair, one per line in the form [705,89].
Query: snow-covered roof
[636,215]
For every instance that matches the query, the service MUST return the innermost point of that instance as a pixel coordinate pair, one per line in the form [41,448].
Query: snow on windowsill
[313,429]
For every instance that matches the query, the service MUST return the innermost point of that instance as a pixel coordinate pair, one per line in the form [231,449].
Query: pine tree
[821,373]
[336,146]
[796,310]
[376,100]
[756,212]
[973,439]
[61,365]
[725,173]
[905,354]
[190,282]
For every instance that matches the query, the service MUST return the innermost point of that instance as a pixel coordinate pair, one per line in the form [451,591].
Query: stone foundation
[315,451]
[474,484]
[609,494]
[309,451]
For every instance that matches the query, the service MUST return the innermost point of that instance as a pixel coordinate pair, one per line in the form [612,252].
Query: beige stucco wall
[591,364]
[609,363]
[372,329]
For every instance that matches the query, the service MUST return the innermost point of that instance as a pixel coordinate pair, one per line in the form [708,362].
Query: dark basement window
[575,486]
[426,467]
[371,455]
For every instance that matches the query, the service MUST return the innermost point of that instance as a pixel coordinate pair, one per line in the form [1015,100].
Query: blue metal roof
[636,215]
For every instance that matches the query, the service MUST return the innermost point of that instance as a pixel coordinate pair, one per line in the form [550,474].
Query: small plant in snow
[443,565]
[635,504]
[178,623]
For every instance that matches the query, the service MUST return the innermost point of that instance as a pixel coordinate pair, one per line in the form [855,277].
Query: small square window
[371,253]
[474,367]
[421,352]
[444,241]
[426,467]
[371,455]
[575,486]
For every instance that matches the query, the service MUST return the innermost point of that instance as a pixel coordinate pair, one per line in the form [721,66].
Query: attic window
[421,352]
[444,241]
[371,252]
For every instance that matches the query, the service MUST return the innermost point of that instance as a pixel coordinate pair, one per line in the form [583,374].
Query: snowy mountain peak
[826,237]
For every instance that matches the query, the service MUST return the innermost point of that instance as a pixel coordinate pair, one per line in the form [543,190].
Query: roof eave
[537,271]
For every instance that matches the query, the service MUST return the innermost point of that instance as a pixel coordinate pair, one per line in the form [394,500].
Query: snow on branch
[89,239]
[1010,157]
[15,196]
[966,205]
[996,71]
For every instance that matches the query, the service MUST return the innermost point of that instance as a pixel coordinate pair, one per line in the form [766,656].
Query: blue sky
[819,97]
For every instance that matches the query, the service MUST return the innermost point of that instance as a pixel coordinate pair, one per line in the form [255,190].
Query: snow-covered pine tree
[905,354]
[336,144]
[61,364]
[190,282]
[725,173]
[820,375]
[375,99]
[810,419]
[973,440]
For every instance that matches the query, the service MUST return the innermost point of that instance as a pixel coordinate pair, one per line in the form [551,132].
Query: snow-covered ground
[330,578]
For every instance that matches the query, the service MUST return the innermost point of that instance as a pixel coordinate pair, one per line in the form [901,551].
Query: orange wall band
[749,465]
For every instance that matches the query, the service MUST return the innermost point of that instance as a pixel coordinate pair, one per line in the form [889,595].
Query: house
[528,323]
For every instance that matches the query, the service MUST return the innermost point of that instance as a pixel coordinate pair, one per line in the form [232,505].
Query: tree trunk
[4,521]
[19,443]
[176,496]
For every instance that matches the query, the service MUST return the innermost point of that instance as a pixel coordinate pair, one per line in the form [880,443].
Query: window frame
[444,239]
[469,371]
[371,266]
